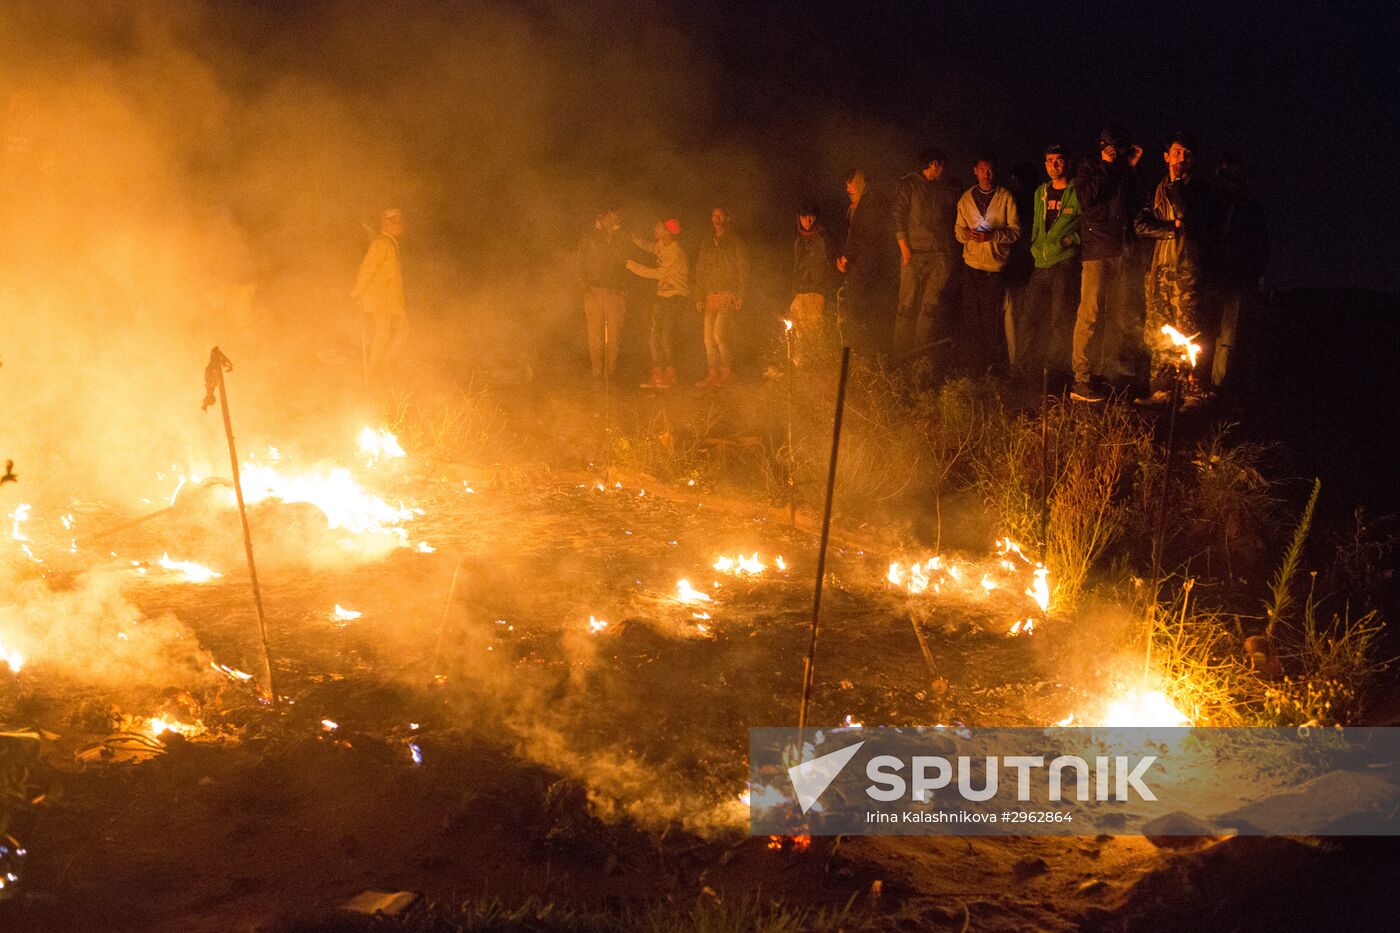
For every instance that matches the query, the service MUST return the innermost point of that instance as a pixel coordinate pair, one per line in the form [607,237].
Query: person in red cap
[672,275]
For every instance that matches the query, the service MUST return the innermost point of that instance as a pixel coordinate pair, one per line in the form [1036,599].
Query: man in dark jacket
[1176,223]
[811,275]
[602,270]
[925,211]
[1237,251]
[1106,186]
[721,280]
[865,310]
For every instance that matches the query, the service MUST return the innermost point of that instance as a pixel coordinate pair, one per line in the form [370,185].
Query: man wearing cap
[1106,188]
[925,213]
[672,275]
[1053,290]
[379,292]
[811,274]
[602,267]
[987,225]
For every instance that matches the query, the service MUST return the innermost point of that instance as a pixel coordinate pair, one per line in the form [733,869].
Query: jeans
[1048,323]
[926,289]
[718,308]
[982,320]
[664,312]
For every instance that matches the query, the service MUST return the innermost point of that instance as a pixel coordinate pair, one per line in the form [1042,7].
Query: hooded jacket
[671,272]
[925,213]
[1047,246]
[380,282]
[811,261]
[721,265]
[1107,199]
[1001,220]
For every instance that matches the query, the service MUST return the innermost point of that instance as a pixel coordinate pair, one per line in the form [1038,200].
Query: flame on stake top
[1189,350]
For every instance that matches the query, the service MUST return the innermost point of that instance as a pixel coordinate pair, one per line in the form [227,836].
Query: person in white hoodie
[987,225]
[672,275]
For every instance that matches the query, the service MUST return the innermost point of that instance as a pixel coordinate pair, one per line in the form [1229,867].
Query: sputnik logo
[811,778]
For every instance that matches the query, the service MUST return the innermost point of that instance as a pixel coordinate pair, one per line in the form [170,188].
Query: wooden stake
[809,663]
[214,379]
[446,614]
[1161,530]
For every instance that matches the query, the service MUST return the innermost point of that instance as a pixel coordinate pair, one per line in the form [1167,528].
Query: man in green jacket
[1053,292]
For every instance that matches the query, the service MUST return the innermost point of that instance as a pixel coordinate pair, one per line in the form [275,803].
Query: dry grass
[1087,463]
[458,425]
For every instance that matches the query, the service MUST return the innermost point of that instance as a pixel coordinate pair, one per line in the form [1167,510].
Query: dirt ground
[584,764]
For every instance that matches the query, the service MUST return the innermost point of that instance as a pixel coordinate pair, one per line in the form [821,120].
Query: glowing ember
[1144,708]
[188,569]
[425,548]
[787,325]
[379,445]
[791,843]
[685,593]
[1022,627]
[780,563]
[159,725]
[415,752]
[596,625]
[13,659]
[329,725]
[18,517]
[345,615]
[1189,350]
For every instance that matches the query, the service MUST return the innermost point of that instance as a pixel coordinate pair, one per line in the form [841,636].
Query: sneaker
[668,375]
[1159,399]
[725,377]
[710,381]
[1084,392]
[657,380]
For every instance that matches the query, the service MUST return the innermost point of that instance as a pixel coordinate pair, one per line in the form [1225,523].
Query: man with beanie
[602,268]
[1106,188]
[987,225]
[925,212]
[672,275]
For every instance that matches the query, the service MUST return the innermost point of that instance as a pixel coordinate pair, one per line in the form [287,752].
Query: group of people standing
[716,285]
[1055,277]
[1016,279]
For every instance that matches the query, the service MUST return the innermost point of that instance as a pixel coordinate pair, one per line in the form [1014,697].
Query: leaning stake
[214,379]
[809,661]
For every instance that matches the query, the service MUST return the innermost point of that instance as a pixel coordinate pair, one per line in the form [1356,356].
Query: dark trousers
[865,316]
[1051,299]
[983,335]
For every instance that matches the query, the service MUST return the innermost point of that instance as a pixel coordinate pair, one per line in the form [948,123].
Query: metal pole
[791,453]
[607,402]
[1044,464]
[1160,532]
[214,377]
[446,613]
[809,662]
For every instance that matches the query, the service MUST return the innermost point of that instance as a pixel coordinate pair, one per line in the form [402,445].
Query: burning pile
[1011,571]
